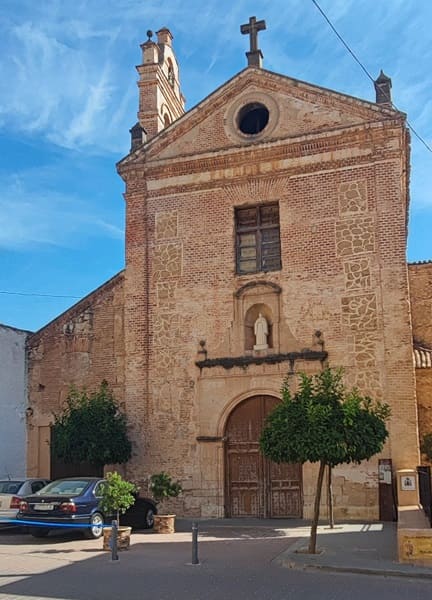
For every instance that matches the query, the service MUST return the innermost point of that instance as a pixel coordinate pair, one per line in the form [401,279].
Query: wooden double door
[255,486]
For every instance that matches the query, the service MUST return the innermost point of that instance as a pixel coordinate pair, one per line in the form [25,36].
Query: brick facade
[337,168]
[420,281]
[82,347]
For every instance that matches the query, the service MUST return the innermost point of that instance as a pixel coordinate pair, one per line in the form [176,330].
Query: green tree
[91,429]
[426,445]
[118,495]
[163,487]
[325,423]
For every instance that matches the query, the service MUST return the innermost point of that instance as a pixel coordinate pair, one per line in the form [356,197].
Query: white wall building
[13,402]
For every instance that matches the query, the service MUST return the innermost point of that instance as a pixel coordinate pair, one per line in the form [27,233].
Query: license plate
[44,507]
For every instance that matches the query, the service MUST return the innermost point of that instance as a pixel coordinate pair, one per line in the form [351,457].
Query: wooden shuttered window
[257,239]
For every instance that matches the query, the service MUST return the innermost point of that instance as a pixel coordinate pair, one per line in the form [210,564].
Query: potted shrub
[117,497]
[163,487]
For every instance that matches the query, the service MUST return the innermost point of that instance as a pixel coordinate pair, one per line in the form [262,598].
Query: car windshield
[62,487]
[10,487]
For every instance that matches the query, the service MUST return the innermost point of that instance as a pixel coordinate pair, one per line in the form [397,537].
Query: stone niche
[250,300]
[251,316]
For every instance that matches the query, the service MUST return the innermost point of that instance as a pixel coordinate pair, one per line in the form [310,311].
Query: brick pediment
[295,109]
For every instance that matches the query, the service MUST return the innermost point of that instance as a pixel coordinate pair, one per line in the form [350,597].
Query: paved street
[235,563]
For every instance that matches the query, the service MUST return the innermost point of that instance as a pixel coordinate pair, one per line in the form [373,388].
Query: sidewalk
[233,553]
[367,548]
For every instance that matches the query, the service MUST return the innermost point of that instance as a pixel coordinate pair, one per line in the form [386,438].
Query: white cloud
[59,91]
[32,214]
[84,124]
[70,78]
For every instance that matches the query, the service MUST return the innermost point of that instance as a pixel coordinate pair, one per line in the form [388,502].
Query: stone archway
[255,486]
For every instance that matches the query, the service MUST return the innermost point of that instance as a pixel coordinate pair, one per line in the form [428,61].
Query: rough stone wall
[420,281]
[342,200]
[82,346]
[424,400]
[13,401]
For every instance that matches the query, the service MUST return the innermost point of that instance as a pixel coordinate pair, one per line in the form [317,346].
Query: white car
[11,494]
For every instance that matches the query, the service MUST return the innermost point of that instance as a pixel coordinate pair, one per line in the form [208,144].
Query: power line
[343,41]
[358,61]
[39,295]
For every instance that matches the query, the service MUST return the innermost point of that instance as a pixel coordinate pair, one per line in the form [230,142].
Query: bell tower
[160,99]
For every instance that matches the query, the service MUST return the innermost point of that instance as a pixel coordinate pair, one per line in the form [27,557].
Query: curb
[291,559]
[356,570]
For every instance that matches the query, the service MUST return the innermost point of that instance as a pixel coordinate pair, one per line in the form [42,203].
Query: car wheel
[149,518]
[95,529]
[39,532]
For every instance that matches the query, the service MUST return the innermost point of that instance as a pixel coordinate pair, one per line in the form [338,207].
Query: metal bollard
[195,560]
[114,533]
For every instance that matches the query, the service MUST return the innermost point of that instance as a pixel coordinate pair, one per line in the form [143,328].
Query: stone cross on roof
[255,55]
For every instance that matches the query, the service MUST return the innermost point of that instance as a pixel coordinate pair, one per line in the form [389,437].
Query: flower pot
[164,524]
[123,538]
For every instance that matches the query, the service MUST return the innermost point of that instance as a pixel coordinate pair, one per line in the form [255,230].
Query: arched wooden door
[255,486]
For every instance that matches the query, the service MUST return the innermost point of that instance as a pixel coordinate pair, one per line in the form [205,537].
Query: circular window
[253,118]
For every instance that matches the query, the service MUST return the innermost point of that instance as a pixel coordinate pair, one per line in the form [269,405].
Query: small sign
[385,473]
[408,483]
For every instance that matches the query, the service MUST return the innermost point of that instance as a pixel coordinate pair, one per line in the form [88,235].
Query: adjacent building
[13,402]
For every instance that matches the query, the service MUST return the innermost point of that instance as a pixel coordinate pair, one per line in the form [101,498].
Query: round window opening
[253,118]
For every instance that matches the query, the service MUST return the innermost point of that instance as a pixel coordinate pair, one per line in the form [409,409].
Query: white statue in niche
[261,332]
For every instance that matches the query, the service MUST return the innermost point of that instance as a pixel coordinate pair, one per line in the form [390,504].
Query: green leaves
[364,426]
[426,445]
[91,429]
[324,422]
[163,487]
[117,494]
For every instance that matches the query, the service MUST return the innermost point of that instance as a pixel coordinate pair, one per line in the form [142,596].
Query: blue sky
[68,98]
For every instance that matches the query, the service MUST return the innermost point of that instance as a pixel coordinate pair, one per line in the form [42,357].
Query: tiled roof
[422,357]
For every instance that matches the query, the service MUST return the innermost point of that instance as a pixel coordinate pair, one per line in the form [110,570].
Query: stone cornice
[313,144]
[269,359]
[310,145]
[300,169]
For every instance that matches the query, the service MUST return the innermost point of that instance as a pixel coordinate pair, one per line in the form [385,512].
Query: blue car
[76,501]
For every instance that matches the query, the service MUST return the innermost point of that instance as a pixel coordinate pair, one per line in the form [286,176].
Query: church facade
[265,236]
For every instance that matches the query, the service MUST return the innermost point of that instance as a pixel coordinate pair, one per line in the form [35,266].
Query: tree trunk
[313,534]
[330,498]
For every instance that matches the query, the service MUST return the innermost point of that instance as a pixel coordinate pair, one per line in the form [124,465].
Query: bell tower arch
[160,99]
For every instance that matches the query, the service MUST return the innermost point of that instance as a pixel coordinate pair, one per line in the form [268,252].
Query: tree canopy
[91,429]
[118,495]
[163,487]
[326,423]
[426,445]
